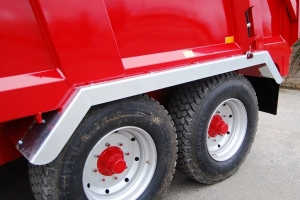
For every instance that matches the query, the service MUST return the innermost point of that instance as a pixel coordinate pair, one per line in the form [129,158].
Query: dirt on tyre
[216,121]
[121,150]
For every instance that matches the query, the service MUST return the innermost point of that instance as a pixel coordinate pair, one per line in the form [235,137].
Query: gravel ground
[271,171]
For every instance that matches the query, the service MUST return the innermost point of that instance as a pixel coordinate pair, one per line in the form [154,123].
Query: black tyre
[216,120]
[120,150]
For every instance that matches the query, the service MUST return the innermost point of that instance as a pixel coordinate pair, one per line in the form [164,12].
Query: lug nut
[107,144]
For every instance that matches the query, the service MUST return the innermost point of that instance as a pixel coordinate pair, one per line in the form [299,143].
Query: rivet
[127,153]
[120,144]
[94,170]
[107,144]
[103,180]
[97,156]
[116,178]
[20,142]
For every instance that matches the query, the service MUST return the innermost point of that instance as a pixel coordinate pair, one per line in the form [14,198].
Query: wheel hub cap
[111,161]
[217,126]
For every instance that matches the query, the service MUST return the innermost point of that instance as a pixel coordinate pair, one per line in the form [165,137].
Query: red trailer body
[59,58]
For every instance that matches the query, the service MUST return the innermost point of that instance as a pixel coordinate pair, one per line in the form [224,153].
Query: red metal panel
[257,23]
[158,61]
[76,36]
[29,94]
[29,82]
[22,47]
[239,9]
[292,8]
[83,39]
[277,27]
[154,26]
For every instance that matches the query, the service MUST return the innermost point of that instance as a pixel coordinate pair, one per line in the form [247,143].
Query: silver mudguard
[43,142]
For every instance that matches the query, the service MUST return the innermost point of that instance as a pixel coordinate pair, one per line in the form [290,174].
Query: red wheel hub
[111,161]
[217,126]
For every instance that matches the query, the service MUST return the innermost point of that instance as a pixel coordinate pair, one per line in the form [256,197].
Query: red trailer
[104,97]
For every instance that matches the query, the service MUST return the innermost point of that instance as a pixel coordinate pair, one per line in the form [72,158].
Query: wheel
[121,150]
[216,121]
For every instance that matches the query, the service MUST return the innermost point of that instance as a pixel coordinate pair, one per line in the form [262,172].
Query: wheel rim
[226,135]
[129,183]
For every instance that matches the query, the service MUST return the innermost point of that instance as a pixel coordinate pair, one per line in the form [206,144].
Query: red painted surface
[30,94]
[111,161]
[155,26]
[48,48]
[217,126]
[292,8]
[277,25]
[83,39]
